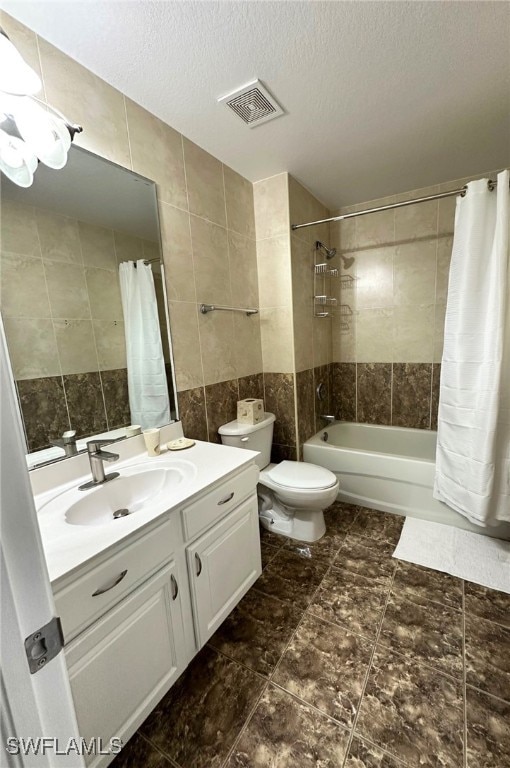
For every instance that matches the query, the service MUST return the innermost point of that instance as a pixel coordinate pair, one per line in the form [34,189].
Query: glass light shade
[16,160]
[16,76]
[47,135]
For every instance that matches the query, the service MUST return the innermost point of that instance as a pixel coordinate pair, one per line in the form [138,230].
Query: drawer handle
[102,590]
[198,564]
[175,587]
[225,499]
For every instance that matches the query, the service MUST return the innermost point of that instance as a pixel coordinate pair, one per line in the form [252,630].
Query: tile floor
[341,656]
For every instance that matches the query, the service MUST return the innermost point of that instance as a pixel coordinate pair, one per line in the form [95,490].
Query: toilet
[292,494]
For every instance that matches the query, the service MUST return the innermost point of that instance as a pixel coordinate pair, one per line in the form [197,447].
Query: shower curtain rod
[462,191]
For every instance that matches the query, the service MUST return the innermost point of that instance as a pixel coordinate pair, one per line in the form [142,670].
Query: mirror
[62,241]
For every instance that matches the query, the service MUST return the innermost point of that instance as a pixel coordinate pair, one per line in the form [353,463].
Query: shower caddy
[326,305]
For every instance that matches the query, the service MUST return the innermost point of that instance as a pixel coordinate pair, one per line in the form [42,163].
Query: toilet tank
[255,437]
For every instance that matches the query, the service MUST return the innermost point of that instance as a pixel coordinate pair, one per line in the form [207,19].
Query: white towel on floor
[469,556]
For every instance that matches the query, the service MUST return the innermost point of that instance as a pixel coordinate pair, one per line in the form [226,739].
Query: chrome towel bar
[205,308]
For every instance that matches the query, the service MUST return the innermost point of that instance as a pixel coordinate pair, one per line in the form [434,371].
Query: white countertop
[68,546]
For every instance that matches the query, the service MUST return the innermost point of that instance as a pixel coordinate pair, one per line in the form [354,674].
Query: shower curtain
[473,444]
[147,384]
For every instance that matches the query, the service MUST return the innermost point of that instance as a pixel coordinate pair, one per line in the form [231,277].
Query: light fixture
[46,134]
[16,160]
[31,131]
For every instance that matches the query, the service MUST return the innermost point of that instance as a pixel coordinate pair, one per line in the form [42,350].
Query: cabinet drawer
[91,594]
[203,513]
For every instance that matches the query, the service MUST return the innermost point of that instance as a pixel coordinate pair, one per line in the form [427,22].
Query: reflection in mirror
[72,352]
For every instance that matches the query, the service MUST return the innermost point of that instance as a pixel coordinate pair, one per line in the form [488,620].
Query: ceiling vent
[253,104]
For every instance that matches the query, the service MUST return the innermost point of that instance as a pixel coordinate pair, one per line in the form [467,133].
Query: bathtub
[387,468]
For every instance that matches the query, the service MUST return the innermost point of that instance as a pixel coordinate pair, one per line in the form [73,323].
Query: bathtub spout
[327,419]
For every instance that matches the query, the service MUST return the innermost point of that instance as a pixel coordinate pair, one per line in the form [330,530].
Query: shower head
[330,252]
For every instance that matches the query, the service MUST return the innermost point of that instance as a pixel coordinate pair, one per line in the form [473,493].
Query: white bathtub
[387,468]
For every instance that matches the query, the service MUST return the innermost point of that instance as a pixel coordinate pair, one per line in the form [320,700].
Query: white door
[124,663]
[40,704]
[223,564]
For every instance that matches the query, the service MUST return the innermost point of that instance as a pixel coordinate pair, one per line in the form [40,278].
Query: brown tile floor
[342,657]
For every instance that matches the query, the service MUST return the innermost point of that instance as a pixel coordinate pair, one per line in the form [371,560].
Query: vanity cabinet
[223,564]
[127,660]
[134,617]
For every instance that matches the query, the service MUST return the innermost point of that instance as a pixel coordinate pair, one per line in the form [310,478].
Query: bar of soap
[180,444]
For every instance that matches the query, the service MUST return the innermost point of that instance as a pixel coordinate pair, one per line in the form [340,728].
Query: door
[223,564]
[124,663]
[40,704]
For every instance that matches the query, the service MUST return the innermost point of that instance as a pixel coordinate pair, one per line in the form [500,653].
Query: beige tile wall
[206,213]
[312,335]
[401,263]
[292,339]
[60,293]
[271,197]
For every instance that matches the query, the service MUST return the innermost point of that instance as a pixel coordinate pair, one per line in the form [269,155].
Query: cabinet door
[223,564]
[124,663]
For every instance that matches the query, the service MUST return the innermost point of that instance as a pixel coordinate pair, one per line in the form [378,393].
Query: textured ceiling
[381,97]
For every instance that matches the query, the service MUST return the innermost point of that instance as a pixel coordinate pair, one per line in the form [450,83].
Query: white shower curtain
[147,384]
[473,445]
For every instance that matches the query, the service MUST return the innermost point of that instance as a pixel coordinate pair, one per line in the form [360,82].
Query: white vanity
[139,595]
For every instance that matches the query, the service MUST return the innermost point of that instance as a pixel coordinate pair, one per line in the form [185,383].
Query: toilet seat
[301,476]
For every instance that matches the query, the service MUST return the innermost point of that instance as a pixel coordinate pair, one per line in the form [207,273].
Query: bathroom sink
[135,490]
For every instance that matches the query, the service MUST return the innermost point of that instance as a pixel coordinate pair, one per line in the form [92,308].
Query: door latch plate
[44,644]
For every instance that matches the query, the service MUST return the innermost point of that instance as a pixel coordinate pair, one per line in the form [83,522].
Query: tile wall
[271,197]
[312,335]
[207,222]
[296,347]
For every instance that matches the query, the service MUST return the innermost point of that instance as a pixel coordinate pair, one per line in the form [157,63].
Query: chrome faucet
[67,442]
[327,419]
[96,458]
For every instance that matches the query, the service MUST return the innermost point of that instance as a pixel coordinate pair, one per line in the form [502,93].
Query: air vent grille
[253,104]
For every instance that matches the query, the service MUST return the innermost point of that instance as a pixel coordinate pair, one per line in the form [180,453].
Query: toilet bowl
[292,494]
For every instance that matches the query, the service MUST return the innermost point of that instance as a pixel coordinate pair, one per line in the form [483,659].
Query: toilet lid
[300,474]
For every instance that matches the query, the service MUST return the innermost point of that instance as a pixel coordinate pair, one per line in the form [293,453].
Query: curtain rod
[462,191]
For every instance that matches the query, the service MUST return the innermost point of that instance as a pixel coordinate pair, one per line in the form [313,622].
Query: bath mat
[460,553]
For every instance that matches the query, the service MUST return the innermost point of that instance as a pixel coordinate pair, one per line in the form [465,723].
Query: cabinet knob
[198,564]
[175,587]
[226,498]
[114,583]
